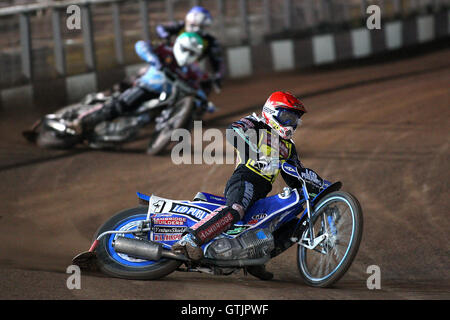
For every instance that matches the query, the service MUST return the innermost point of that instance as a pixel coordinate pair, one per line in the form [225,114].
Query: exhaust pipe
[144,249]
[149,250]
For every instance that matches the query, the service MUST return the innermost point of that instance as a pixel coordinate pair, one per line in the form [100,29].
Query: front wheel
[179,117]
[123,266]
[338,216]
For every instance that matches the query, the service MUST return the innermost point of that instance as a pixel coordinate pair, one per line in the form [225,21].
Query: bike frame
[278,209]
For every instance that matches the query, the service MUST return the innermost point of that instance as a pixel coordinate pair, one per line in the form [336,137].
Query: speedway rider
[197,20]
[254,174]
[188,48]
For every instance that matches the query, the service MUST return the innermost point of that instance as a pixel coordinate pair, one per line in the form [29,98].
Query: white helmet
[187,48]
[197,18]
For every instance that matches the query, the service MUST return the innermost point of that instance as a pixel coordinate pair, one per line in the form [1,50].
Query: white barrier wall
[278,55]
[425,28]
[283,55]
[239,62]
[361,44]
[393,35]
[323,49]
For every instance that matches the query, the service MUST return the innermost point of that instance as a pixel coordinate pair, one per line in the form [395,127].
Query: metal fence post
[309,9]
[88,37]
[267,16]
[143,7]
[25,44]
[397,7]
[221,16]
[169,10]
[382,5]
[118,40]
[58,46]
[363,8]
[244,20]
[287,14]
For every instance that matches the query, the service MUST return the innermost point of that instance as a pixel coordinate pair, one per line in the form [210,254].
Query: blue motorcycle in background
[135,243]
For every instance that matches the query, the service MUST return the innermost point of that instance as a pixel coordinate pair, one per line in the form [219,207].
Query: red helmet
[282,112]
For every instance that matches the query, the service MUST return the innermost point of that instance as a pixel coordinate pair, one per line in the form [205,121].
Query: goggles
[187,50]
[288,118]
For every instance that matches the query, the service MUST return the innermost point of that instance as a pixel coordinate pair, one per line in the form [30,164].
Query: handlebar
[181,84]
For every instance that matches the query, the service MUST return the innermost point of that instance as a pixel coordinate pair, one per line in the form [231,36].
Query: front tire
[339,215]
[180,117]
[121,265]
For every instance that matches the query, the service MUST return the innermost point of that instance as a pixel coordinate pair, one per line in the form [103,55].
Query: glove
[161,31]
[314,181]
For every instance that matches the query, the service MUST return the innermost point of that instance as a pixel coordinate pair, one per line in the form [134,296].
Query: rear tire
[122,266]
[312,272]
[161,139]
[50,139]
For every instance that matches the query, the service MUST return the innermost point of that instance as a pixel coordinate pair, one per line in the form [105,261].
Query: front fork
[312,242]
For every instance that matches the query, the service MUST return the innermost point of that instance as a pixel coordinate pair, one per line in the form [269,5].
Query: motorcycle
[168,112]
[327,228]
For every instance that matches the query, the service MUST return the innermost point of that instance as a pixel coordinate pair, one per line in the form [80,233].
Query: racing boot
[86,122]
[188,246]
[260,272]
[218,221]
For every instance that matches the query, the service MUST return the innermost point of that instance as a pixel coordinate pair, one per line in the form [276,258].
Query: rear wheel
[120,265]
[179,117]
[338,216]
[47,138]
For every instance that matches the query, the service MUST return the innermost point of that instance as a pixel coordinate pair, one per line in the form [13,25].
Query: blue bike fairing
[143,196]
[155,80]
[213,198]
[265,209]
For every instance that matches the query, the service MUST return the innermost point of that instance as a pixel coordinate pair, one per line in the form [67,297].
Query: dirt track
[383,130]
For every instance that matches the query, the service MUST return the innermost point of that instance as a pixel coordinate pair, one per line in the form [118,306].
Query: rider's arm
[314,182]
[215,56]
[242,135]
[145,52]
[165,31]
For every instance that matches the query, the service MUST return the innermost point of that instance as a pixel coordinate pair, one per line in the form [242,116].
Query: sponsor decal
[237,230]
[290,169]
[255,219]
[169,229]
[191,211]
[158,206]
[311,176]
[172,221]
[274,125]
[215,228]
[268,110]
[167,237]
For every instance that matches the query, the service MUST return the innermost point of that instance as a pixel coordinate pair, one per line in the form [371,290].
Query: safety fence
[43,48]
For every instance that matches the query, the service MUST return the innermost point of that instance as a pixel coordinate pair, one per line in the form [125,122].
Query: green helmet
[188,48]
